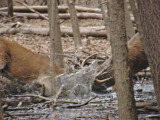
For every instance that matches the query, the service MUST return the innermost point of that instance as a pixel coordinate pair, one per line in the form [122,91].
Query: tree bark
[129,25]
[57,38]
[10,8]
[150,33]
[105,13]
[124,88]
[135,13]
[75,24]
[55,42]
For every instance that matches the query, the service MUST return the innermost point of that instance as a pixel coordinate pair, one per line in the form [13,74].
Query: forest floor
[102,107]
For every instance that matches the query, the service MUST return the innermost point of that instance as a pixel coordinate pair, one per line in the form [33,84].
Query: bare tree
[10,8]
[55,41]
[149,11]
[124,88]
[135,13]
[105,13]
[75,23]
[56,36]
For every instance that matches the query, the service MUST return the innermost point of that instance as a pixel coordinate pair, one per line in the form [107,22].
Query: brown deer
[137,57]
[22,64]
[137,62]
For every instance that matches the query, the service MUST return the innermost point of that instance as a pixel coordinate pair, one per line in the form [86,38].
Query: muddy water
[98,109]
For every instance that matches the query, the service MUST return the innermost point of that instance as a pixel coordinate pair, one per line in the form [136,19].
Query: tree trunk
[150,33]
[124,88]
[129,25]
[57,37]
[10,8]
[135,13]
[75,24]
[55,41]
[105,13]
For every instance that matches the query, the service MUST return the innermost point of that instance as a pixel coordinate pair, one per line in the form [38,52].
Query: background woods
[60,60]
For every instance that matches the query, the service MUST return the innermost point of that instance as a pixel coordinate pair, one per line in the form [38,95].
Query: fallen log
[82,16]
[32,10]
[152,108]
[44,9]
[41,9]
[61,16]
[31,29]
[145,104]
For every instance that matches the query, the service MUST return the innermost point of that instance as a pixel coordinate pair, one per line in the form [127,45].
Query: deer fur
[137,57]
[137,62]
[22,64]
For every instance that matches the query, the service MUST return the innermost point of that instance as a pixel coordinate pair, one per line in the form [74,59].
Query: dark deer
[137,62]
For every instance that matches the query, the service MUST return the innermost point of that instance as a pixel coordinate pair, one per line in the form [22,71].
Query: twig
[67,56]
[30,95]
[48,100]
[79,105]
[25,114]
[19,108]
[67,101]
[77,65]
[91,54]
[104,2]
[57,94]
[86,52]
[33,10]
[54,99]
[8,114]
[8,19]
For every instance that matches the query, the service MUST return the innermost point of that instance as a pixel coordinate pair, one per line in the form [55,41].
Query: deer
[137,62]
[17,62]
